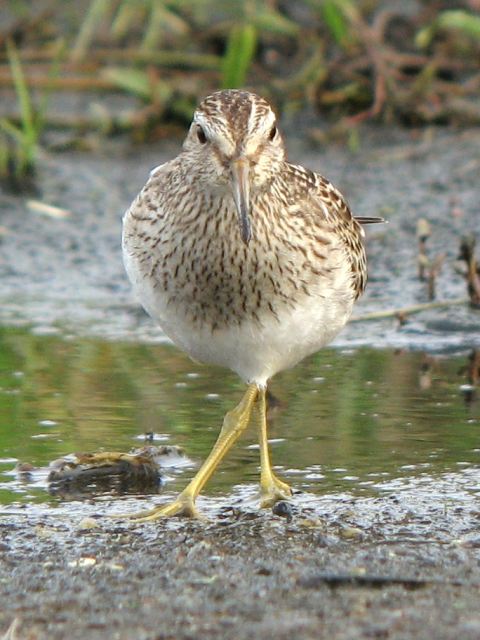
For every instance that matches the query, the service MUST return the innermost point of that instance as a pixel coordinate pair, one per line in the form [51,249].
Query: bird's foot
[272,490]
[183,506]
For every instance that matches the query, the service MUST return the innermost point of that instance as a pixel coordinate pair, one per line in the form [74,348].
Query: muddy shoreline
[390,567]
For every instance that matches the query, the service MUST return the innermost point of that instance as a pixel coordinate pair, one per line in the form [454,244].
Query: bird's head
[236,144]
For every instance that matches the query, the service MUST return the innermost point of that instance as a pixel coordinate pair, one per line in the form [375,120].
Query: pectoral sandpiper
[244,260]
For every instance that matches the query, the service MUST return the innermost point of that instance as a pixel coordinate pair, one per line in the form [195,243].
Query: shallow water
[362,421]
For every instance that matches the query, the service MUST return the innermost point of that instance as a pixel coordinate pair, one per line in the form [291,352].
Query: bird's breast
[197,267]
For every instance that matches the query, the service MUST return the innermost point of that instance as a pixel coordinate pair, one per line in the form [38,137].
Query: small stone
[350,533]
[283,509]
[83,563]
[87,523]
[24,467]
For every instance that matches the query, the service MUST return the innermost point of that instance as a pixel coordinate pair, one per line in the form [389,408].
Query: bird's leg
[234,423]
[272,489]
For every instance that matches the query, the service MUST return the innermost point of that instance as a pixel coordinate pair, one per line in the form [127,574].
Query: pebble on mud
[83,563]
[86,524]
[350,533]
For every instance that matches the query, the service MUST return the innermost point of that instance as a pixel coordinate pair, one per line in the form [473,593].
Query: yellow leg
[234,423]
[271,488]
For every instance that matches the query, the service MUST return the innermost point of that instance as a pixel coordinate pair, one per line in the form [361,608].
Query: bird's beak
[241,195]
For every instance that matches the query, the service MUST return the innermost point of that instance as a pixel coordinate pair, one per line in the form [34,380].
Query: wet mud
[399,566]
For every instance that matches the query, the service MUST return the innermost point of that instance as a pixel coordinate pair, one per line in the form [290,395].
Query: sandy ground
[403,566]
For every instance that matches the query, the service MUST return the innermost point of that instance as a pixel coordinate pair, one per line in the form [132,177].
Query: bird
[245,261]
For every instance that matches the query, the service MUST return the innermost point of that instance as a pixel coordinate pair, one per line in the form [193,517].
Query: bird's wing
[330,214]
[316,195]
[329,198]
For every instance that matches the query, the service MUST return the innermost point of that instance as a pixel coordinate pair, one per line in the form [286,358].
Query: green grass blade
[463,21]
[95,14]
[154,28]
[266,19]
[11,130]
[23,94]
[241,47]
[134,81]
[335,21]
[139,83]
[129,15]
[4,157]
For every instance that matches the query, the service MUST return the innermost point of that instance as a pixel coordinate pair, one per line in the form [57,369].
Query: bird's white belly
[254,349]
[257,352]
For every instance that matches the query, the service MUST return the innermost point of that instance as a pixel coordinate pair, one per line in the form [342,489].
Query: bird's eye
[202,138]
[273,132]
